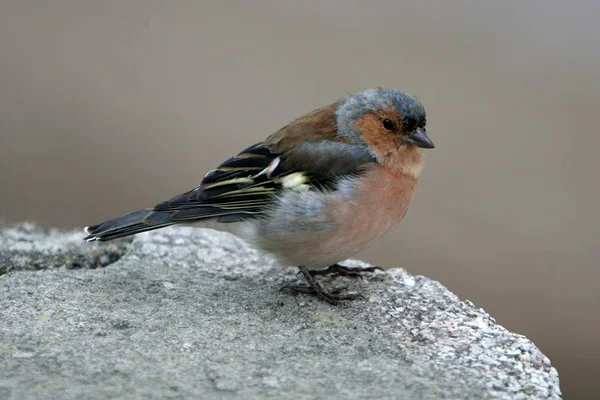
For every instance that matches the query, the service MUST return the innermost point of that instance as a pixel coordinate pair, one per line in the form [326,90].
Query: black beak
[419,138]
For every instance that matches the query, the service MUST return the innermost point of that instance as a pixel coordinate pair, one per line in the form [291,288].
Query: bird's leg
[316,289]
[344,271]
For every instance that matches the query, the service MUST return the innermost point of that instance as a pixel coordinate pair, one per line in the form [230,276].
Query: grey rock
[31,247]
[185,313]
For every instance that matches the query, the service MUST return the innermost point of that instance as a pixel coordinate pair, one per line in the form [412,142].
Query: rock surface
[186,313]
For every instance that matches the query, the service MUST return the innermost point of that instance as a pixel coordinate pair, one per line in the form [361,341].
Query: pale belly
[316,230]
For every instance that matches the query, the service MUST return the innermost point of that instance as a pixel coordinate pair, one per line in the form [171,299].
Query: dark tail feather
[130,224]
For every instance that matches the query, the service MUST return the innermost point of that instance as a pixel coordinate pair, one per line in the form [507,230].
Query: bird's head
[386,120]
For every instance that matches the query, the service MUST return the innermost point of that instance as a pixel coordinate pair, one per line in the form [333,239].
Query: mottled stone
[185,313]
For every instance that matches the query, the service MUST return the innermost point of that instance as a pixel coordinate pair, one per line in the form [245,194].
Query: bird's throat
[406,160]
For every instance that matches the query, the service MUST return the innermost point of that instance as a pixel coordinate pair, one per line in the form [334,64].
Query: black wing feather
[244,186]
[238,188]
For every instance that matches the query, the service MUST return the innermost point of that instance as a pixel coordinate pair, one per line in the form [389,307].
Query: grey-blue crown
[354,106]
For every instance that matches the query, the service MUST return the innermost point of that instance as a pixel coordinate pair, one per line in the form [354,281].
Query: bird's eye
[388,124]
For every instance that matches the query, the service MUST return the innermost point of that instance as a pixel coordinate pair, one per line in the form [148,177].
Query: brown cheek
[381,141]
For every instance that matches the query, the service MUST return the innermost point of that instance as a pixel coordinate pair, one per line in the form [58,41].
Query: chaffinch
[314,193]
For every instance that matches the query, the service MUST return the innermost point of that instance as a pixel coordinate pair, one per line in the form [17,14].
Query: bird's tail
[130,224]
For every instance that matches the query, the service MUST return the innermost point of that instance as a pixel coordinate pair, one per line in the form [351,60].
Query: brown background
[107,106]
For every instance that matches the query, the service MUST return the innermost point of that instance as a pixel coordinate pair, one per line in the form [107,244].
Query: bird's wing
[304,155]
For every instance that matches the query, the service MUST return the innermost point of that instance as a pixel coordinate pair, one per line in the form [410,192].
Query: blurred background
[109,106]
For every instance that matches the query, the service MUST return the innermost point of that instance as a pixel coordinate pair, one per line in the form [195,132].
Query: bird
[313,193]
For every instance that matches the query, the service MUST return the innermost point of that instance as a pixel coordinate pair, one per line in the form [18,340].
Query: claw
[334,297]
[344,271]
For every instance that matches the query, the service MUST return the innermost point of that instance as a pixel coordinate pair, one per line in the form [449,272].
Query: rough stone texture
[31,247]
[185,313]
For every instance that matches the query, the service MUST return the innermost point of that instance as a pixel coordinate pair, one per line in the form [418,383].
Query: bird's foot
[333,297]
[354,272]
[314,288]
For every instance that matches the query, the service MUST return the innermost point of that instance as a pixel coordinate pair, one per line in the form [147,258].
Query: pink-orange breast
[381,201]
[356,214]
